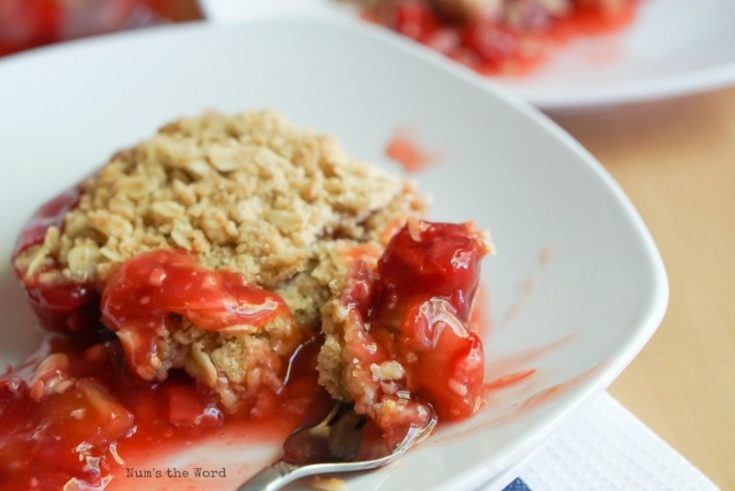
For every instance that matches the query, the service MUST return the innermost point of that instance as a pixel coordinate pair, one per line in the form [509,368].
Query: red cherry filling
[414,19]
[414,307]
[427,279]
[74,418]
[61,305]
[143,294]
[60,420]
[512,39]
[415,310]
[50,214]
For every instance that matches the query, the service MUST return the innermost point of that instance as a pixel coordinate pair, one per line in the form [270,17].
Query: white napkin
[607,448]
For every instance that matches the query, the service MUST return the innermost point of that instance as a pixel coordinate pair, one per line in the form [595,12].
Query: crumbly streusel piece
[238,367]
[375,389]
[399,341]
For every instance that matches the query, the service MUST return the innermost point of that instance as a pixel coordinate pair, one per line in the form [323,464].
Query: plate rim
[664,87]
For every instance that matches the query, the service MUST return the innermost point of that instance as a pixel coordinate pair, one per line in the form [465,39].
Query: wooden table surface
[676,161]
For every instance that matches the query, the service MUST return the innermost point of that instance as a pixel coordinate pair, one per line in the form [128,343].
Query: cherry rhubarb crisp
[230,269]
[499,37]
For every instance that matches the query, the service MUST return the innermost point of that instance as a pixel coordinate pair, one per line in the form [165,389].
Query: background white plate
[66,109]
[674,47]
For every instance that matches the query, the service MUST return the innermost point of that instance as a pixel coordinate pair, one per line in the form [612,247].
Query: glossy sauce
[108,415]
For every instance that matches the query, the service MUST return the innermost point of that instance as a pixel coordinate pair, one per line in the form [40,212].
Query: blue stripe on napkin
[517,485]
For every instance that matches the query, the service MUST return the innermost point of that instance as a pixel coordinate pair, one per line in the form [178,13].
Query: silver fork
[329,447]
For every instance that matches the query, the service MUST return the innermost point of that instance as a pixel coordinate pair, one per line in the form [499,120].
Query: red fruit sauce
[109,414]
[405,151]
[76,411]
[491,47]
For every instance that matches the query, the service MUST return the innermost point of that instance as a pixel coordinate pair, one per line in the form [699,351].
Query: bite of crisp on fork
[339,443]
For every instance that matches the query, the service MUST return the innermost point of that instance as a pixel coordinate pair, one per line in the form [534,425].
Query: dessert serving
[233,269]
[507,37]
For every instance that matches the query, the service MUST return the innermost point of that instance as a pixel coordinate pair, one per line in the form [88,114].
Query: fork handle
[273,477]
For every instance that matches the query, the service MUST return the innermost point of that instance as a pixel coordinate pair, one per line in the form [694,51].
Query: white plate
[595,303]
[674,47]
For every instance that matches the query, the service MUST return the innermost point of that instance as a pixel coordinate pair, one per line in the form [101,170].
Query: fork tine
[323,424]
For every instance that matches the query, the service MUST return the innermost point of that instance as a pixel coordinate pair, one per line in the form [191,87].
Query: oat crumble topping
[252,193]
[283,206]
